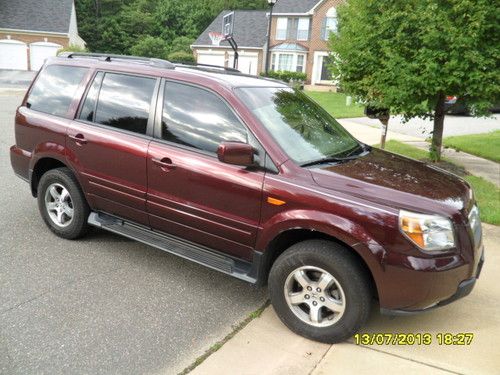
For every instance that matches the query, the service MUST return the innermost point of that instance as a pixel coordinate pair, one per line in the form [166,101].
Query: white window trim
[278,29]
[316,73]
[294,59]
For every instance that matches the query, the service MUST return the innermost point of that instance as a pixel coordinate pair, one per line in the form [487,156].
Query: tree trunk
[437,133]
[383,136]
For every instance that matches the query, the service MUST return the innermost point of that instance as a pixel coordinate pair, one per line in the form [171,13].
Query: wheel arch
[282,241]
[41,166]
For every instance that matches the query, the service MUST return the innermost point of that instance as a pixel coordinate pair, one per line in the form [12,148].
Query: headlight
[429,232]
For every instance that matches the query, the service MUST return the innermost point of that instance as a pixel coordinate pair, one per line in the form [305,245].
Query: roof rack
[207,67]
[159,63]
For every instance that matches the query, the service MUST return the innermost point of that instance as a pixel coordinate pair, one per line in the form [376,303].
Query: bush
[285,76]
[150,46]
[181,57]
[72,48]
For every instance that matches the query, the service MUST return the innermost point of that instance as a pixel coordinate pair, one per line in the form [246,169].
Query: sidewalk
[266,346]
[487,169]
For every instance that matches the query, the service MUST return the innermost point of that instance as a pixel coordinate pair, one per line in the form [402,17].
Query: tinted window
[124,102]
[55,88]
[88,110]
[198,118]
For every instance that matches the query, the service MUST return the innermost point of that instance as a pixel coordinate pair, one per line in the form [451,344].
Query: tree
[150,46]
[408,55]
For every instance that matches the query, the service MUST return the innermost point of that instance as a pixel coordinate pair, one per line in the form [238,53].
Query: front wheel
[320,291]
[62,204]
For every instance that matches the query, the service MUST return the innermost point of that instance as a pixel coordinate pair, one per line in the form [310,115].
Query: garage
[211,58]
[247,62]
[40,51]
[13,54]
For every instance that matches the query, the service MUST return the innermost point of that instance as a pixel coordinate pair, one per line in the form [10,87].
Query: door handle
[78,138]
[165,164]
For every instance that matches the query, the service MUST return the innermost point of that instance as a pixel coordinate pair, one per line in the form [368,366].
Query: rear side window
[55,88]
[123,102]
[198,118]
[88,110]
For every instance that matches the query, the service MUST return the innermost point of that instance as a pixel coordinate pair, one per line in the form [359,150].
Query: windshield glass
[304,130]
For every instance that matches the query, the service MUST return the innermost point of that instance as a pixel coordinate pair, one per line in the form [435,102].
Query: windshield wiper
[333,159]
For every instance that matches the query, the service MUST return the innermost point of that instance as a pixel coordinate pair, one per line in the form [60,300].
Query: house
[250,32]
[32,30]
[298,42]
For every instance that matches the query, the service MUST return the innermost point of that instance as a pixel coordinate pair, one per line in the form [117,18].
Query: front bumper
[464,289]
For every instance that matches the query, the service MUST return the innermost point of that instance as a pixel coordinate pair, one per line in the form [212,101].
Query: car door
[108,143]
[191,194]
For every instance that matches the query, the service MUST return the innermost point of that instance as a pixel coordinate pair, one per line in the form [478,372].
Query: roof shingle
[294,6]
[36,15]
[250,28]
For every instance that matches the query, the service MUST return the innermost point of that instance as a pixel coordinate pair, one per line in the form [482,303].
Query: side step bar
[188,250]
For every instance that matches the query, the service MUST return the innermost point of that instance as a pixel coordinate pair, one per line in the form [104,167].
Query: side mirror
[236,153]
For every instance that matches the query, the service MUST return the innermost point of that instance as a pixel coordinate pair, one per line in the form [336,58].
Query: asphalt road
[453,125]
[104,304]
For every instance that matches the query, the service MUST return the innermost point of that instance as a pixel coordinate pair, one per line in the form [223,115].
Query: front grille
[475,225]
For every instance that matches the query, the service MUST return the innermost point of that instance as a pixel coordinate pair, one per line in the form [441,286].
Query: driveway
[103,304]
[453,125]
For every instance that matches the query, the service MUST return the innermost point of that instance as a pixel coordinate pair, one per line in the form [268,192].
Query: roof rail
[207,67]
[159,63]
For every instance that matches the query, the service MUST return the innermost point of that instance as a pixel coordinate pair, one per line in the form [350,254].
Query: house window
[303,29]
[330,24]
[300,64]
[292,28]
[281,28]
[289,62]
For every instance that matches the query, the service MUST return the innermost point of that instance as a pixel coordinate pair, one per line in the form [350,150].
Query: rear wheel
[62,204]
[320,291]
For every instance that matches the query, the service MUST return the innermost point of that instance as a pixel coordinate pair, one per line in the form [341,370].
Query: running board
[188,250]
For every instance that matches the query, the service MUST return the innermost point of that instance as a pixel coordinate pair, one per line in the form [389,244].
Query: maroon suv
[251,178]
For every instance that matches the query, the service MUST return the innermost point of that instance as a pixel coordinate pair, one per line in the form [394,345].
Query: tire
[59,196]
[348,293]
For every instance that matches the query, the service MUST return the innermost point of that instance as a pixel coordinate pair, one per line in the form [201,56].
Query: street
[103,304]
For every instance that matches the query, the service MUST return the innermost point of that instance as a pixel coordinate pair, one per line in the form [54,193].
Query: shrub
[181,57]
[285,76]
[72,48]
[150,46]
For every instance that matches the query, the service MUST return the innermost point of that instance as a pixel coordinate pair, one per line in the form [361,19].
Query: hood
[402,183]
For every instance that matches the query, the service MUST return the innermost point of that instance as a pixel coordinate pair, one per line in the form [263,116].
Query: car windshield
[304,130]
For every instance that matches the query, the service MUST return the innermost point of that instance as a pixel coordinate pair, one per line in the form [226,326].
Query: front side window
[304,130]
[124,102]
[55,89]
[197,118]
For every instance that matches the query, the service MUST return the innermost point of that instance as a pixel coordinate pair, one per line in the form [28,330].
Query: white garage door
[13,55]
[210,59]
[39,51]
[247,62]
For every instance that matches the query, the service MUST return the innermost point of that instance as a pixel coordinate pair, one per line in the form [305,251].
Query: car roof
[204,74]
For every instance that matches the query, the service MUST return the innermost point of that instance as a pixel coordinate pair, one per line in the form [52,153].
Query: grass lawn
[487,194]
[486,145]
[334,103]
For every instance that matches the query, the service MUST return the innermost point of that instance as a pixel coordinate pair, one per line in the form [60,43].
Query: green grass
[486,145]
[487,194]
[334,103]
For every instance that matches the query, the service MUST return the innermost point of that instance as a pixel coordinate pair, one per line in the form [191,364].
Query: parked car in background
[249,177]
[458,106]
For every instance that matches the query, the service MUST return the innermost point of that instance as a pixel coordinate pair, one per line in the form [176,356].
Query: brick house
[299,35]
[32,30]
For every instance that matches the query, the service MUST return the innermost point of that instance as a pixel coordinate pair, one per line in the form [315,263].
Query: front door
[191,194]
[108,143]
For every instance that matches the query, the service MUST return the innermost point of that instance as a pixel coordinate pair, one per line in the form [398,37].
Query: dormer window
[330,24]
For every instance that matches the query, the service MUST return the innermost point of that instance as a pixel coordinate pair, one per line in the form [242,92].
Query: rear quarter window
[55,89]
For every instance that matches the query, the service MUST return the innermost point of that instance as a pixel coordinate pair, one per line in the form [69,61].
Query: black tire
[77,226]
[340,263]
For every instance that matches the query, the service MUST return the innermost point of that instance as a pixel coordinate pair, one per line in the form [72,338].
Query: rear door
[108,143]
[191,194]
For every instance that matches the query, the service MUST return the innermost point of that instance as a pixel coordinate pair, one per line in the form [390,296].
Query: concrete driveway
[453,125]
[104,304]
